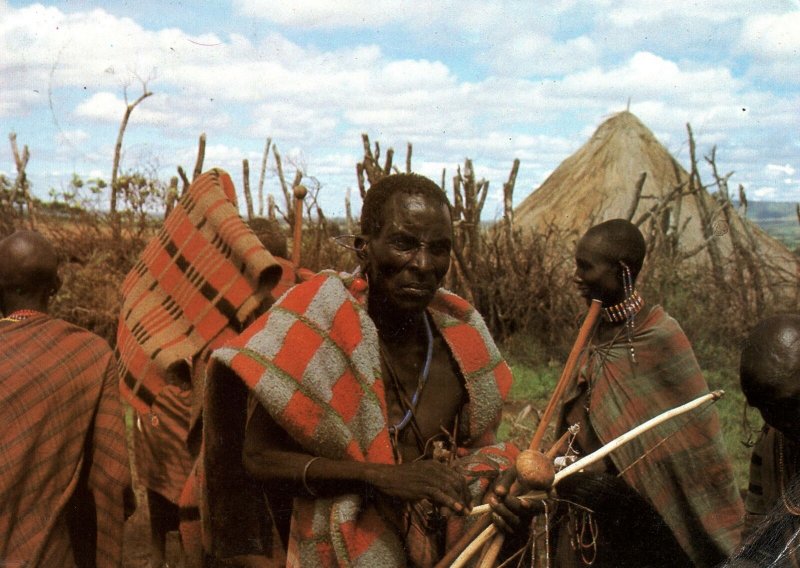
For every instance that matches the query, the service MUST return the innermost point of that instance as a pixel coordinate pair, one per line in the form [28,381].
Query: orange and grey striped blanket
[194,286]
[313,362]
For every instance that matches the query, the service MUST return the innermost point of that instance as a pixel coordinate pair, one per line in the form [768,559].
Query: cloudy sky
[491,81]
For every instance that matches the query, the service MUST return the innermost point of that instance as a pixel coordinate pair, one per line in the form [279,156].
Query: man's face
[408,259]
[596,276]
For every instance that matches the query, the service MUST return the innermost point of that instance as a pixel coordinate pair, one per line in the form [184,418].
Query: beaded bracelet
[305,473]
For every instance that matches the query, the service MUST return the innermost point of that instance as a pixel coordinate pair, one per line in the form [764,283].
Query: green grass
[533,385]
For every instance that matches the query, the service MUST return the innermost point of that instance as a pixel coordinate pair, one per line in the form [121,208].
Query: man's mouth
[417,290]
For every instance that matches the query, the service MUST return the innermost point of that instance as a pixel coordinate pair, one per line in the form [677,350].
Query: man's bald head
[620,240]
[28,271]
[769,371]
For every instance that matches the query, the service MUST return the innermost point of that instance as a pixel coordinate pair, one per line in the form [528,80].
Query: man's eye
[440,249]
[404,244]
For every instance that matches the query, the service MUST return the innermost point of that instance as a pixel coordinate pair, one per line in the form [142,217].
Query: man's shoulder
[60,331]
[455,306]
[323,287]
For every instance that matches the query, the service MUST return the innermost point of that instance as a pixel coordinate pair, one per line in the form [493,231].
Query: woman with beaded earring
[668,498]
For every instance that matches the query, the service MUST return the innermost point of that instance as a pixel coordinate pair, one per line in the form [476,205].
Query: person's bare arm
[270,455]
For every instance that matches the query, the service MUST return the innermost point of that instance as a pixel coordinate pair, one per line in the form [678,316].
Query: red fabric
[63,437]
[195,285]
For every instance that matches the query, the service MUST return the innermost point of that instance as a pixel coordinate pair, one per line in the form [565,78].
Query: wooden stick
[474,547]
[595,456]
[566,375]
[492,550]
[564,381]
[623,439]
[636,432]
[299,194]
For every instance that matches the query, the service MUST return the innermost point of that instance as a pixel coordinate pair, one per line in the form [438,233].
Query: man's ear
[360,244]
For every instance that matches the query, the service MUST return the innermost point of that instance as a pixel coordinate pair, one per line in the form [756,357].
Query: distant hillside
[778,219]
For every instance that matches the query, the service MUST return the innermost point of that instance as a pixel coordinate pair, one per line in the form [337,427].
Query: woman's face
[596,275]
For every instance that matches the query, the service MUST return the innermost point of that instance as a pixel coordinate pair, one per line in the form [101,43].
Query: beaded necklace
[618,313]
[423,378]
[21,315]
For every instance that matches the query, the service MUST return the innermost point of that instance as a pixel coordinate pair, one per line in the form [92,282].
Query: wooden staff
[564,381]
[598,455]
[580,343]
[299,194]
[567,374]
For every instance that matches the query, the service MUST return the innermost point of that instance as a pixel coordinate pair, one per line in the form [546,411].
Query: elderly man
[365,390]
[770,375]
[667,498]
[63,462]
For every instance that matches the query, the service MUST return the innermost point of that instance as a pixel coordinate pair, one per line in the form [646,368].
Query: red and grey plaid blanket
[63,460]
[313,362]
[193,287]
[681,467]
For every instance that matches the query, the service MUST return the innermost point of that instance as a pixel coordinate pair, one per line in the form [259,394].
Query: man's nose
[422,259]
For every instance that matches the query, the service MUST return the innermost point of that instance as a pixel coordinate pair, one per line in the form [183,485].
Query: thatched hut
[624,171]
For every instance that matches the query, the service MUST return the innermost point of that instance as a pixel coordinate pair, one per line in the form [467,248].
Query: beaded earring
[631,309]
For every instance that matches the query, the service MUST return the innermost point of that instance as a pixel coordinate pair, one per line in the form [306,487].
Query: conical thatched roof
[599,182]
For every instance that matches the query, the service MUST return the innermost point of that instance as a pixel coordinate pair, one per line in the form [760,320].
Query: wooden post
[261,178]
[201,156]
[248,198]
[566,375]
[297,244]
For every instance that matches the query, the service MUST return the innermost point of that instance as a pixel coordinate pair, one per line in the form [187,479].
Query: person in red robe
[63,460]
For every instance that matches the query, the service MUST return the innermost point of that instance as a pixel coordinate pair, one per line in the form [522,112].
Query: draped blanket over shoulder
[313,362]
[195,283]
[62,447]
[683,471]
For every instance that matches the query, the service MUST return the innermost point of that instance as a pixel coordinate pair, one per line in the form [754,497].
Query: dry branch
[248,197]
[118,154]
[261,177]
[201,156]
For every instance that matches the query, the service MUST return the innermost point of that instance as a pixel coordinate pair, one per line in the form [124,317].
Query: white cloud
[103,106]
[776,169]
[631,13]
[72,137]
[533,54]
[764,193]
[322,13]
[18,102]
[774,42]
[773,35]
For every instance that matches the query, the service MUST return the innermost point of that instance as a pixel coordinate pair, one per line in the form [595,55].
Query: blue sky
[491,81]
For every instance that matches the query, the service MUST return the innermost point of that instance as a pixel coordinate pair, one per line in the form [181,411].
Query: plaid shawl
[687,477]
[313,362]
[193,287]
[62,445]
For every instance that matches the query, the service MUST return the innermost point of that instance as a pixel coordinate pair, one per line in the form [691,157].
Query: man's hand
[509,513]
[425,479]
